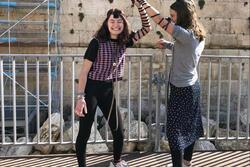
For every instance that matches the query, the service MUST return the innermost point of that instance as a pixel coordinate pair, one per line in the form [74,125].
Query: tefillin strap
[117,14]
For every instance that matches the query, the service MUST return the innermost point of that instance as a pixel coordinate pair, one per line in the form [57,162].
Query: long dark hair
[187,17]
[104,34]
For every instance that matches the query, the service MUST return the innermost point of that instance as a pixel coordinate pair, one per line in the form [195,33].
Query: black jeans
[177,155]
[99,93]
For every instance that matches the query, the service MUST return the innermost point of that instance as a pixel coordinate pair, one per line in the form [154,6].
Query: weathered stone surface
[233,21]
[212,126]
[97,147]
[20,150]
[204,146]
[221,26]
[36,152]
[44,133]
[67,136]
[132,132]
[232,144]
[243,118]
[4,149]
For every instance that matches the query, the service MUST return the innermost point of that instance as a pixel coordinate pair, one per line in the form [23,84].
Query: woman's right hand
[81,107]
[139,1]
[161,44]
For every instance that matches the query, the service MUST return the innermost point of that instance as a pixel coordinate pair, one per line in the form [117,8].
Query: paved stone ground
[201,159]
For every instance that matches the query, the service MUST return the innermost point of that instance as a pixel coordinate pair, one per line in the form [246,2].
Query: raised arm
[166,24]
[146,27]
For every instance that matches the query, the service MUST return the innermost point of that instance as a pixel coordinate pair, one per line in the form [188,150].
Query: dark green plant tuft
[81,16]
[201,3]
[72,31]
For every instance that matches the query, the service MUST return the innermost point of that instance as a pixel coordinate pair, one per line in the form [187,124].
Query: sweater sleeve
[92,50]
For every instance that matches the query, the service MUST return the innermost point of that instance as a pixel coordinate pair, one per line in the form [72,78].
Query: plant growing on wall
[201,3]
[81,16]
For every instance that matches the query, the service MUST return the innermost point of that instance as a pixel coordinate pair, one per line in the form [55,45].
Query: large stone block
[88,23]
[234,9]
[221,26]
[244,40]
[223,40]
[240,26]
[218,24]
[72,50]
[66,23]
[69,7]
[70,37]
[85,37]
[208,24]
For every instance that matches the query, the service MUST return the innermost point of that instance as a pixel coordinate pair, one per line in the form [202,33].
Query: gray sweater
[186,54]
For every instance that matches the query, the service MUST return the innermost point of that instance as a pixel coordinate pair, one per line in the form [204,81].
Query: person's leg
[115,121]
[172,125]
[176,156]
[85,130]
[188,153]
[116,126]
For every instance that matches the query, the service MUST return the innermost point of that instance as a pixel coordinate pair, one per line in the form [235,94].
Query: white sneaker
[183,163]
[122,163]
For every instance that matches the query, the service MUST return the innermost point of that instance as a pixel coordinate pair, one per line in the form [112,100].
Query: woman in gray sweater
[184,125]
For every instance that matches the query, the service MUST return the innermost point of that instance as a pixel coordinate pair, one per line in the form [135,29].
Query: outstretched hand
[81,108]
[138,2]
[161,44]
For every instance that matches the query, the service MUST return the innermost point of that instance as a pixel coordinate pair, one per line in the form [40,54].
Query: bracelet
[81,93]
[80,97]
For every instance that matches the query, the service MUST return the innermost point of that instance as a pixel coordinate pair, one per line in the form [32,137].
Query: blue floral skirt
[184,123]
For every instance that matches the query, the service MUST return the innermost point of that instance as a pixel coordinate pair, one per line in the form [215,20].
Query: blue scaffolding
[13,33]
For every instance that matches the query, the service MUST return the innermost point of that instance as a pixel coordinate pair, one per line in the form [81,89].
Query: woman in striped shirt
[103,64]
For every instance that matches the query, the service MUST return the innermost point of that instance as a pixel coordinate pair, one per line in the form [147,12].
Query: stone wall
[226,21]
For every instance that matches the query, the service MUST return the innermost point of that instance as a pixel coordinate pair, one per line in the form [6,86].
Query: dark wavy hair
[104,34]
[187,17]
